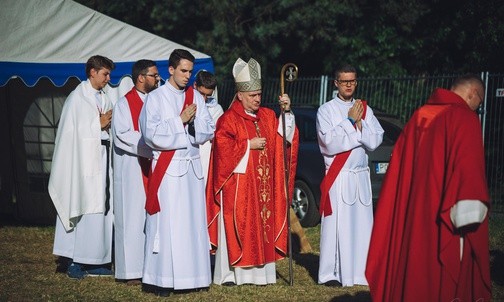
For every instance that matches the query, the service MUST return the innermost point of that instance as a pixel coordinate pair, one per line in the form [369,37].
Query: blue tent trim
[59,73]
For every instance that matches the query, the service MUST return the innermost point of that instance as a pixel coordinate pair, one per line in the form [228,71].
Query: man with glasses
[430,238]
[346,129]
[131,168]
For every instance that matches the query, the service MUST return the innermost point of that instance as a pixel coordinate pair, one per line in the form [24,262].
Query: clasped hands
[105,120]
[188,114]
[356,112]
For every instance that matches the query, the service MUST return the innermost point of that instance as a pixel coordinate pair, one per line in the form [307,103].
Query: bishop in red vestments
[430,237]
[246,200]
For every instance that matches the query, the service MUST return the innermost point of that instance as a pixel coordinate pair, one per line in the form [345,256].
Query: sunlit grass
[28,273]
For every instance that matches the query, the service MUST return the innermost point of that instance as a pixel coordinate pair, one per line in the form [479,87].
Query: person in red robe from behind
[246,202]
[430,237]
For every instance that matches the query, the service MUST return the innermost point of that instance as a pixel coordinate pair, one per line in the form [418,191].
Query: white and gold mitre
[247,75]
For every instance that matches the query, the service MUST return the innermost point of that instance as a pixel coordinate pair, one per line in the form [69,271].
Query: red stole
[135,104]
[334,170]
[152,202]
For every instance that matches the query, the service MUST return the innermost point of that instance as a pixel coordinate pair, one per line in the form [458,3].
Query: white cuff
[468,211]
[290,123]
[241,168]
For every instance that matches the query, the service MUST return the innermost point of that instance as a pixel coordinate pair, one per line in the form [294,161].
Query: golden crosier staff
[291,71]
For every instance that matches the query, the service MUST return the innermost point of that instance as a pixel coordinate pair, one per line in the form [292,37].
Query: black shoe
[163,292]
[156,290]
[191,290]
[333,283]
[229,283]
[148,288]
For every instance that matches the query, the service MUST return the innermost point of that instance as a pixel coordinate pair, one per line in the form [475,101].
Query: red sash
[334,170]
[135,105]
[152,202]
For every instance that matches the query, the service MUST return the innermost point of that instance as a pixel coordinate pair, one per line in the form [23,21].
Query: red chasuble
[414,254]
[254,203]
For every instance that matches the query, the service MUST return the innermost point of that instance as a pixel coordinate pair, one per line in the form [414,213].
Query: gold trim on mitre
[247,75]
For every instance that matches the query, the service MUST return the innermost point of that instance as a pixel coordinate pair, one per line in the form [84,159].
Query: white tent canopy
[44,47]
[54,39]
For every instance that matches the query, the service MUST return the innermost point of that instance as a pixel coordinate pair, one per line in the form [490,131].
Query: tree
[389,37]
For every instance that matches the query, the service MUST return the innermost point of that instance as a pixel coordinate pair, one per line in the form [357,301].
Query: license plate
[381,168]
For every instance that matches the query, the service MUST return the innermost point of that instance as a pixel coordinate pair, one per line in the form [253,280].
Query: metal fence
[400,96]
[493,114]
[304,91]
[395,95]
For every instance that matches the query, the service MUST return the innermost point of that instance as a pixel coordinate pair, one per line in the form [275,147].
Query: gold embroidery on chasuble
[264,177]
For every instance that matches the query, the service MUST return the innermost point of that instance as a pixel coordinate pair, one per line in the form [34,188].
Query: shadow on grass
[310,262]
[358,297]
[62,264]
[497,266]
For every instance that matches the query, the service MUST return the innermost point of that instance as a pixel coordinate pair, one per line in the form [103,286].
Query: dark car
[310,169]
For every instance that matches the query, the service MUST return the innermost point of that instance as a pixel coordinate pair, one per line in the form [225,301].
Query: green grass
[28,273]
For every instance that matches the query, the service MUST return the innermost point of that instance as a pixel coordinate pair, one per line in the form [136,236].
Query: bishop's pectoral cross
[258,131]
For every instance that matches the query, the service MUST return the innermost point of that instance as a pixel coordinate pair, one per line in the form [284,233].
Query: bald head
[469,87]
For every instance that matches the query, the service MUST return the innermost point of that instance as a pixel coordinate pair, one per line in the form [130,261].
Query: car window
[307,128]
[391,132]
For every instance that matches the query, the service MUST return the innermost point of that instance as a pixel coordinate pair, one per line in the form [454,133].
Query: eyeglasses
[157,76]
[346,82]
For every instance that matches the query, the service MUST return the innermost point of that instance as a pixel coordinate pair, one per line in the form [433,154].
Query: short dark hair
[344,68]
[468,79]
[179,54]
[98,62]
[206,79]
[141,67]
